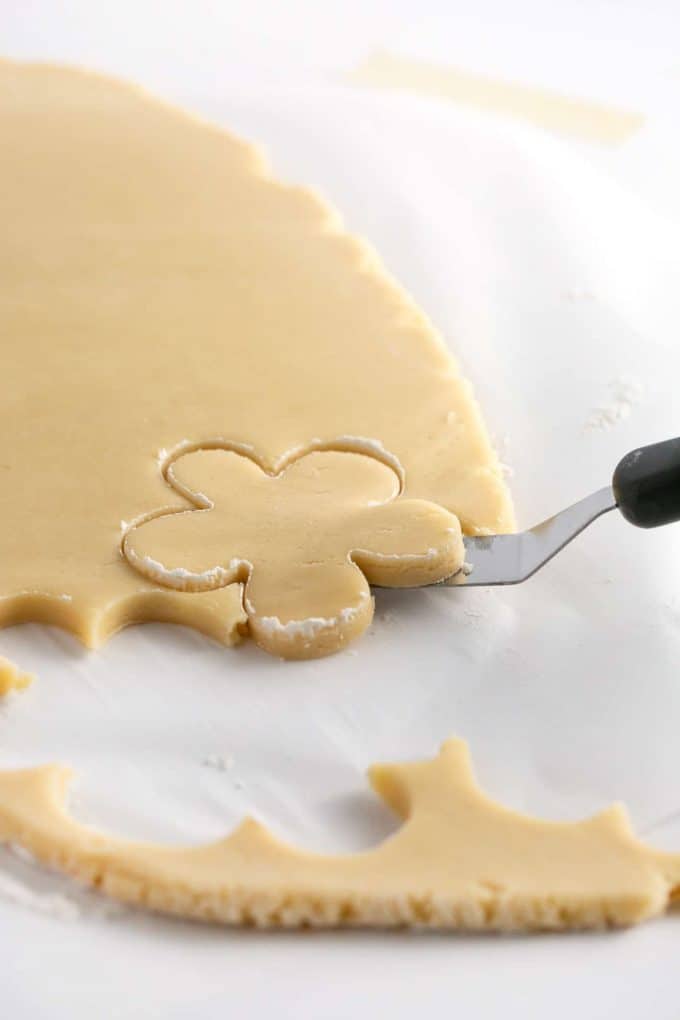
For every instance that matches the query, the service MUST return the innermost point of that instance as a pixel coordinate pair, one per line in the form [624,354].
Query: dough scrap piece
[306,540]
[459,861]
[12,678]
[160,290]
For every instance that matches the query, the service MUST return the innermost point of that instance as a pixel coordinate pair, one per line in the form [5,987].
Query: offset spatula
[645,488]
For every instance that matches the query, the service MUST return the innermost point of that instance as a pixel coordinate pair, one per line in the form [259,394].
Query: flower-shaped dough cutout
[306,541]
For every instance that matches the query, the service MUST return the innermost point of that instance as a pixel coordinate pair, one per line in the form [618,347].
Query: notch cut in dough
[459,861]
[162,291]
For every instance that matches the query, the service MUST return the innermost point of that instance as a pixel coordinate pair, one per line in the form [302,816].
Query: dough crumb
[12,678]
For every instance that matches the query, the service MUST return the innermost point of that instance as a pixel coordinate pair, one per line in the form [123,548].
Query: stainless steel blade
[510,559]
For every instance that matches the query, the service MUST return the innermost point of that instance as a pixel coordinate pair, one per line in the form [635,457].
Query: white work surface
[551,268]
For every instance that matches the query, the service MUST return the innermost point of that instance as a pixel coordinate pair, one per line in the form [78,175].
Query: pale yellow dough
[162,292]
[12,678]
[458,861]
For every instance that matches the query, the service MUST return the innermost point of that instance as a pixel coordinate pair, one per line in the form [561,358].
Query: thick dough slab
[459,861]
[161,290]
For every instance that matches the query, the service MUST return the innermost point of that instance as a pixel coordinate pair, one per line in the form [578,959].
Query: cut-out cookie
[459,861]
[159,286]
[305,540]
[12,678]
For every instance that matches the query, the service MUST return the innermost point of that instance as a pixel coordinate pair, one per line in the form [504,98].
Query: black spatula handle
[646,484]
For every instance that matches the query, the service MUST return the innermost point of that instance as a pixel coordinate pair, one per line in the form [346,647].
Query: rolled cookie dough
[458,861]
[162,291]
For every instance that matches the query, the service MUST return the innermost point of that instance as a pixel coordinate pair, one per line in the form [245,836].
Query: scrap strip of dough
[161,289]
[459,861]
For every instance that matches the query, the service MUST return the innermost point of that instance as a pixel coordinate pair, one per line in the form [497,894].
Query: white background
[551,267]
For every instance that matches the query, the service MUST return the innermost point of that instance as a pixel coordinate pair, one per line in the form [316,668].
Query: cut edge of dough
[312,636]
